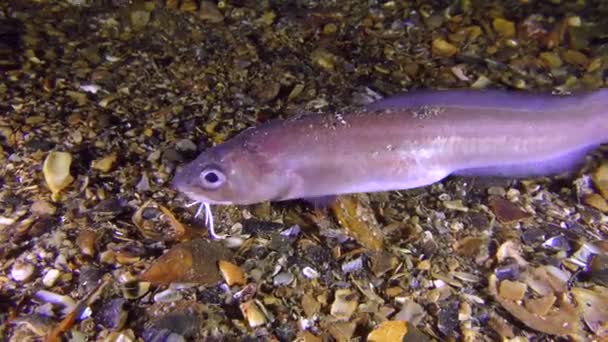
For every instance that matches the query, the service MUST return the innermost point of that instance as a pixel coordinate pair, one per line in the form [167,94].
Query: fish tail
[597,107]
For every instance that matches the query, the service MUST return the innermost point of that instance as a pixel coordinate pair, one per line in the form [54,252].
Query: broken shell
[594,307]
[388,331]
[344,305]
[87,240]
[106,163]
[233,275]
[56,170]
[255,317]
[512,290]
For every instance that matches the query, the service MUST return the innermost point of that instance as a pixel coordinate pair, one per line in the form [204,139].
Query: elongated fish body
[402,142]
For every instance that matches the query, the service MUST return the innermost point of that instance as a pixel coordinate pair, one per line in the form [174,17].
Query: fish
[401,142]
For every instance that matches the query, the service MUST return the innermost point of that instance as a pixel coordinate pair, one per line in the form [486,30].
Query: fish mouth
[200,199]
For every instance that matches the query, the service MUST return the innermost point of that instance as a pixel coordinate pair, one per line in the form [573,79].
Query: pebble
[139,18]
[310,273]
[329,29]
[43,208]
[574,21]
[575,57]
[168,296]
[143,184]
[209,12]
[50,278]
[22,270]
[283,278]
[324,59]
[186,145]
[455,205]
[504,27]
[551,59]
[442,48]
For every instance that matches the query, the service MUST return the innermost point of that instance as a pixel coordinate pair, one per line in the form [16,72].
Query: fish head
[235,172]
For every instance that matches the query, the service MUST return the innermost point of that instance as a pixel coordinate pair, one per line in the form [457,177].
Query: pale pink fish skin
[403,142]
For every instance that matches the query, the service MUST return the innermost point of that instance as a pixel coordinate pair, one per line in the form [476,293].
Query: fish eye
[212,178]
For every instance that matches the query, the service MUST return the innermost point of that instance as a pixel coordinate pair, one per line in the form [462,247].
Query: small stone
[106,163]
[35,120]
[139,18]
[324,59]
[574,21]
[330,29]
[185,145]
[455,205]
[80,98]
[504,27]
[424,265]
[442,48]
[344,305]
[43,208]
[51,277]
[507,211]
[22,271]
[283,278]
[144,183]
[168,296]
[188,6]
[267,91]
